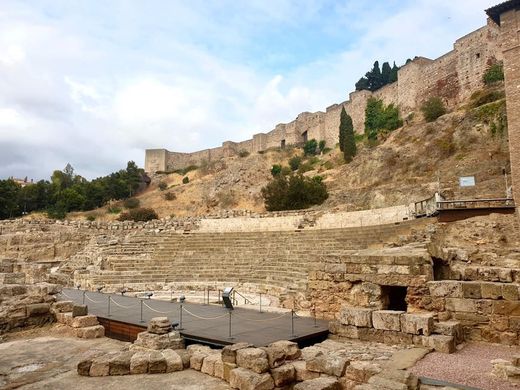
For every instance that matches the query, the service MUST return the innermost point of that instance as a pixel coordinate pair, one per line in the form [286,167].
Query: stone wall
[453,77]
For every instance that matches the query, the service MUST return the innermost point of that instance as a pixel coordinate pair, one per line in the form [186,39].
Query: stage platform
[123,317]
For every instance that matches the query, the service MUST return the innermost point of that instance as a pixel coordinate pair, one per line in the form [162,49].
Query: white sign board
[467,181]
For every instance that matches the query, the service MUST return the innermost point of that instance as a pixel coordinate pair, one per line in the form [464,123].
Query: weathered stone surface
[472,290]
[444,344]
[446,288]
[90,332]
[157,363]
[417,323]
[462,305]
[173,360]
[120,364]
[37,309]
[254,359]
[283,375]
[101,365]
[357,316]
[64,318]
[384,383]
[197,359]
[159,325]
[244,379]
[387,319]
[218,369]
[228,367]
[84,367]
[148,340]
[84,321]
[361,371]
[63,306]
[280,351]
[400,376]
[510,292]
[139,363]
[79,310]
[449,328]
[208,365]
[328,363]
[229,352]
[192,348]
[490,290]
[301,372]
[323,383]
[185,356]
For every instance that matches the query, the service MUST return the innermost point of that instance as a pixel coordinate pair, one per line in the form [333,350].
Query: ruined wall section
[452,77]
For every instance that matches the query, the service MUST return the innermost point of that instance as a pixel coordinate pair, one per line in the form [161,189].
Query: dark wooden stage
[123,317]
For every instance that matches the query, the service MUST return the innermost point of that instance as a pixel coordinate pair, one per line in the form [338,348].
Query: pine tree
[343,119]
[349,148]
[386,73]
[393,75]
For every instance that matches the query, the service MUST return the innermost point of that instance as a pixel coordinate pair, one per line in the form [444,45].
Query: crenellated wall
[453,77]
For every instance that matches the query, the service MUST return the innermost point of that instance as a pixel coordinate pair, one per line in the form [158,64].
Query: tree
[349,140]
[393,75]
[276,169]
[9,198]
[378,117]
[342,129]
[310,147]
[294,192]
[433,108]
[386,73]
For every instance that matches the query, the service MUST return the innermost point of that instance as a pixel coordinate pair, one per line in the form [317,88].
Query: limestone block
[471,290]
[185,356]
[301,372]
[208,365]
[191,349]
[79,310]
[218,369]
[499,367]
[148,340]
[361,371]
[513,373]
[387,319]
[228,367]
[283,375]
[449,328]
[508,338]
[445,288]
[157,363]
[510,292]
[173,360]
[84,321]
[507,308]
[356,316]
[491,290]
[244,379]
[322,383]
[120,364]
[441,343]
[254,359]
[83,367]
[159,325]
[400,376]
[332,364]
[417,323]
[63,306]
[139,363]
[37,309]
[516,360]
[64,318]
[90,332]
[462,305]
[229,352]
[385,383]
[280,351]
[197,359]
[101,365]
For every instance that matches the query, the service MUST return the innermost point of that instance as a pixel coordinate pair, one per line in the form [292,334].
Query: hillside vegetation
[404,165]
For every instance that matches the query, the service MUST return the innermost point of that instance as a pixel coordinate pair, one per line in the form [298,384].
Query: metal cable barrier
[123,306]
[203,318]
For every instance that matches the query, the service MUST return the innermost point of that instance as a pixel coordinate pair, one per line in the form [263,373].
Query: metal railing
[475,203]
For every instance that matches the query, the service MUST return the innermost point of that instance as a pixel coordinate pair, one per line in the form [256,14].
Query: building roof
[495,11]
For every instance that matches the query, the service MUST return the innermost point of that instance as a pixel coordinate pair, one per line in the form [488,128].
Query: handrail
[246,300]
[476,200]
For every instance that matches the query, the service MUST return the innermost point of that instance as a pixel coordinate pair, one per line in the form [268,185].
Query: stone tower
[507,16]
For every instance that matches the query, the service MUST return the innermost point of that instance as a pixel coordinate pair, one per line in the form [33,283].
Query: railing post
[260,302]
[292,322]
[180,318]
[219,301]
[109,305]
[141,310]
[230,337]
[84,292]
[314,315]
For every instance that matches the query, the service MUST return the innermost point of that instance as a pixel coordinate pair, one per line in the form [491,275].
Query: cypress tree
[342,129]
[349,148]
[386,73]
[393,75]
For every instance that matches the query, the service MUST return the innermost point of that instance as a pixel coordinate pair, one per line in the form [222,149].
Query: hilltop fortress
[453,77]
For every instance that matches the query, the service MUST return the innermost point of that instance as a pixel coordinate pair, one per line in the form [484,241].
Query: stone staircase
[270,262]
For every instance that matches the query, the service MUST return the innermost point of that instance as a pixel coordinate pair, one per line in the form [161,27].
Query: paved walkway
[203,322]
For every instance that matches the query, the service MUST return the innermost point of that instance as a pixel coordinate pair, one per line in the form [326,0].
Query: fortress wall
[453,77]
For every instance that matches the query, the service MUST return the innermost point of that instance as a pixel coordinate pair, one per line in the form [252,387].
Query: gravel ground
[470,366]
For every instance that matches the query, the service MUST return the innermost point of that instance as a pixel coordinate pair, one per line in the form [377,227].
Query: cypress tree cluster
[347,141]
[377,78]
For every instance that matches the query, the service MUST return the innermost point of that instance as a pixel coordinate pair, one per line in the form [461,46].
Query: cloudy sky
[96,82]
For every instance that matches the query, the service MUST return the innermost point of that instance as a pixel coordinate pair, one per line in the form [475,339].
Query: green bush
[286,171]
[276,169]
[494,73]
[185,180]
[482,97]
[91,217]
[131,203]
[379,117]
[295,162]
[139,215]
[321,146]
[310,148]
[170,196]
[294,192]
[56,213]
[113,209]
[184,171]
[305,167]
[162,185]
[433,108]
[243,153]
